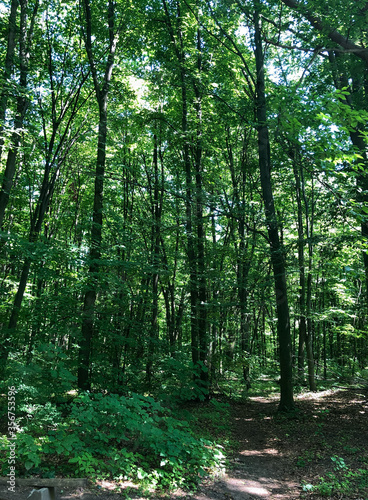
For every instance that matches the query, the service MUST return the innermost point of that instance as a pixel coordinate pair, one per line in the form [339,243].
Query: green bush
[116,437]
[342,480]
[180,385]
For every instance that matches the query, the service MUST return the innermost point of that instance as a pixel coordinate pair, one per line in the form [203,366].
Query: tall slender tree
[101,87]
[8,68]
[277,251]
[59,137]
[26,29]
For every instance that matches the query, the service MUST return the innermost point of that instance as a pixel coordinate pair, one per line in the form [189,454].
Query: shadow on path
[257,470]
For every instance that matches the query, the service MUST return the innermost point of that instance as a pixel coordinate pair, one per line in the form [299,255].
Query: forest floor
[320,452]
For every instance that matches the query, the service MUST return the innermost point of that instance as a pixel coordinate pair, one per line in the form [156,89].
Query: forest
[183,225]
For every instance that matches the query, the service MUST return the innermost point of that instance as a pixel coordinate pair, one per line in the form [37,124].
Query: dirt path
[273,455]
[258,469]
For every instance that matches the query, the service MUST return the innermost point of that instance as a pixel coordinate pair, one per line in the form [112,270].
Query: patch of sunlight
[250,487]
[256,491]
[359,401]
[267,451]
[316,395]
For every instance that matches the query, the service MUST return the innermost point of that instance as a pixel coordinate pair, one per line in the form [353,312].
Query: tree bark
[90,296]
[156,210]
[54,157]
[277,254]
[309,216]
[301,264]
[36,225]
[25,40]
[201,264]
[194,222]
[332,33]
[8,68]
[243,259]
[305,285]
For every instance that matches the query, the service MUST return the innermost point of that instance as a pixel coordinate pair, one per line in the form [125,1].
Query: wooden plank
[56,482]
[42,494]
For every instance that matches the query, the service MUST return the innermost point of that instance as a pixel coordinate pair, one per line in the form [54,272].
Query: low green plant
[339,463]
[351,450]
[323,414]
[307,487]
[86,464]
[342,481]
[116,437]
[306,457]
[325,488]
[181,386]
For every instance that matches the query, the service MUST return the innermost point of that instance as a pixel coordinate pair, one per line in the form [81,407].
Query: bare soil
[274,456]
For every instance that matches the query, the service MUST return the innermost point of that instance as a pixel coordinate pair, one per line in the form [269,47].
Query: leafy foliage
[113,436]
[182,304]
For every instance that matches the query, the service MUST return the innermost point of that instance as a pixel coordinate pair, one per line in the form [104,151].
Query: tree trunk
[305,286]
[301,264]
[359,141]
[53,162]
[309,217]
[8,69]
[194,225]
[201,265]
[277,254]
[156,210]
[25,39]
[85,347]
[243,261]
[43,202]
[174,315]
[94,254]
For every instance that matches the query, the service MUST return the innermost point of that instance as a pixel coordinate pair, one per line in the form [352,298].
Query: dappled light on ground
[272,456]
[249,487]
[259,453]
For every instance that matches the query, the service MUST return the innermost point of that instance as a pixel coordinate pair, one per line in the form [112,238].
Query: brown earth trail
[273,456]
[258,468]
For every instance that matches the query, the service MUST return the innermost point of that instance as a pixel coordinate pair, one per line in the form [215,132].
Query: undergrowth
[342,481]
[108,436]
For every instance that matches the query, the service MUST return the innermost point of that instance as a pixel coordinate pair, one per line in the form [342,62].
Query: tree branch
[332,33]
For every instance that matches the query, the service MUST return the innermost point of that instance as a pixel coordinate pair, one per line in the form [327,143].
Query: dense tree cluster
[183,193]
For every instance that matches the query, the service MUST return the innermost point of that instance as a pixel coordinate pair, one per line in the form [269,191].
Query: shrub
[113,436]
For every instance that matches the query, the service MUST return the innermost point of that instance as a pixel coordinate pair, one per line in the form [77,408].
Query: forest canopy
[183,203]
